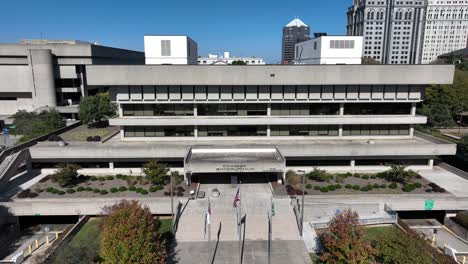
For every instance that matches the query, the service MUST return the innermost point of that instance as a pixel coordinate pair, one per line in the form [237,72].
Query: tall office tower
[446,28]
[408,32]
[294,32]
[392,30]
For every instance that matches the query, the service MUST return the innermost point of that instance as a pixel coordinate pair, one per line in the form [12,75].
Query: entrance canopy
[212,159]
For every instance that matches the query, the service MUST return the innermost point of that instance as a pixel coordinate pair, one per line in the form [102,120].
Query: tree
[462,146]
[155,172]
[319,175]
[369,61]
[67,175]
[398,173]
[32,124]
[96,108]
[239,62]
[130,235]
[345,242]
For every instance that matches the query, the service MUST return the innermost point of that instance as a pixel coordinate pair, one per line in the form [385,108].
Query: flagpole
[209,232]
[269,236]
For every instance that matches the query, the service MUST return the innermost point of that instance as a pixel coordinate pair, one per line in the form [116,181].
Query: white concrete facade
[329,50]
[170,50]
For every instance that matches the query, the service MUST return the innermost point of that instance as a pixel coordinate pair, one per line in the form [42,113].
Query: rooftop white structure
[170,50]
[296,23]
[329,50]
[226,59]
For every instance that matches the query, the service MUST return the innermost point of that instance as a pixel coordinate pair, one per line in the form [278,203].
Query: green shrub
[119,176]
[309,186]
[114,190]
[96,190]
[331,187]
[376,186]
[49,189]
[365,177]
[373,177]
[55,191]
[109,178]
[357,175]
[393,185]
[138,190]
[153,189]
[122,189]
[101,179]
[89,189]
[383,186]
[144,192]
[317,188]
[365,189]
[70,190]
[348,186]
[66,175]
[319,175]
[103,192]
[356,187]
[324,189]
[369,187]
[94,178]
[417,185]
[80,189]
[61,192]
[338,186]
[132,188]
[408,188]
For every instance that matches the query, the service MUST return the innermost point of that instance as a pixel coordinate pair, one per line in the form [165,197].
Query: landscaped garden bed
[393,181]
[61,185]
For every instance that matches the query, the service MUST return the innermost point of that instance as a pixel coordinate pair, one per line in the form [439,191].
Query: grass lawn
[165,226]
[373,232]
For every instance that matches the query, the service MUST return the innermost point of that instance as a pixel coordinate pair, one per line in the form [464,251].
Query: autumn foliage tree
[130,236]
[345,242]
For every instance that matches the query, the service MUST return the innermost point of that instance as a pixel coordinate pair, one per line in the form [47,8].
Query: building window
[232,109]
[232,131]
[153,131]
[376,130]
[165,48]
[304,130]
[157,110]
[341,44]
[304,109]
[377,109]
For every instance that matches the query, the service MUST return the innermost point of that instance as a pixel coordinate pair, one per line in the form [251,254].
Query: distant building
[36,74]
[329,50]
[168,50]
[409,32]
[294,32]
[226,59]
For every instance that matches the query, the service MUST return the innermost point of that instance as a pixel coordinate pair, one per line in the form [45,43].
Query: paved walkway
[447,180]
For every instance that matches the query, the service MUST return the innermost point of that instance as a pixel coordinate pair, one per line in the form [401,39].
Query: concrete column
[431,163]
[268,109]
[120,110]
[195,131]
[411,131]
[42,68]
[340,131]
[111,165]
[341,109]
[352,163]
[195,110]
[413,109]
[268,131]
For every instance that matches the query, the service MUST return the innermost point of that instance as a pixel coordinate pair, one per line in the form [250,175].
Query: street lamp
[302,206]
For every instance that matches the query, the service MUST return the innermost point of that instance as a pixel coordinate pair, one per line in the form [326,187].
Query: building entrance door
[234,179]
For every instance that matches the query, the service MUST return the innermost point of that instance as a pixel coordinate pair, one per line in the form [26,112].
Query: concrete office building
[263,119]
[408,32]
[329,50]
[446,28]
[35,74]
[170,50]
[227,59]
[294,32]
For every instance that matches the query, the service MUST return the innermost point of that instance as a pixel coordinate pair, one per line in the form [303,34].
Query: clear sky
[244,27]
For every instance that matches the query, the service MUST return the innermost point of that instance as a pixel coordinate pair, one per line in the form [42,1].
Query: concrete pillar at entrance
[341,109]
[111,165]
[411,131]
[195,131]
[413,109]
[431,163]
[352,163]
[268,131]
[195,110]
[340,131]
[269,110]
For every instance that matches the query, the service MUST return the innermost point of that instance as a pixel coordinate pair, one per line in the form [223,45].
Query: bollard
[47,240]
[464,260]
[433,240]
[30,249]
[37,243]
[56,235]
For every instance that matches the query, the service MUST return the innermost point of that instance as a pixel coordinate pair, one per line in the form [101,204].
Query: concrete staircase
[10,164]
[256,201]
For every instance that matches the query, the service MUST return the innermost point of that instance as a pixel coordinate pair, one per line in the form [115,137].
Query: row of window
[261,131]
[262,109]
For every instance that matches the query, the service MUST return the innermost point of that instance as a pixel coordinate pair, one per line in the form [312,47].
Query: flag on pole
[273,209]
[207,217]
[236,198]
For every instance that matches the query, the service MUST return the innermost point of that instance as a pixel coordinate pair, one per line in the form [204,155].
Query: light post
[302,206]
[172,205]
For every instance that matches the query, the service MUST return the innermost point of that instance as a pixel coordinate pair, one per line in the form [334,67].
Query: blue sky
[244,27]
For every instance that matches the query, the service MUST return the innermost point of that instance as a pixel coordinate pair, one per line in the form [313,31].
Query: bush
[55,191]
[324,189]
[309,186]
[365,189]
[80,189]
[398,173]
[109,178]
[179,194]
[408,188]
[61,193]
[338,186]
[103,192]
[96,190]
[293,179]
[96,138]
[376,186]
[357,175]
[138,190]
[348,186]
[122,189]
[49,189]
[299,192]
[383,186]
[114,190]
[155,173]
[370,187]
[66,175]
[24,193]
[89,189]
[365,177]
[131,181]
[331,188]
[145,192]
[94,178]
[373,177]
[101,179]
[33,195]
[356,187]
[70,191]
[393,185]
[417,185]
[319,175]
[317,188]
[132,188]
